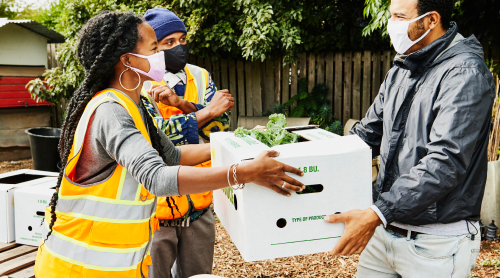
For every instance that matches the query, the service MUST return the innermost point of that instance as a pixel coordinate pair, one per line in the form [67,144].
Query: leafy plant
[17,9]
[337,128]
[379,12]
[314,105]
[278,108]
[59,83]
[248,29]
[275,133]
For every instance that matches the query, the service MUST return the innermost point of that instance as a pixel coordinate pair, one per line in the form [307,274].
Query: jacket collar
[422,58]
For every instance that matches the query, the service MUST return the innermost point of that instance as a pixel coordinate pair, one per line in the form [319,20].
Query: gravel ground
[229,263]
[9,166]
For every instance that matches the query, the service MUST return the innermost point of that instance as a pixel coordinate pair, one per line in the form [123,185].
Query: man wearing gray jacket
[430,123]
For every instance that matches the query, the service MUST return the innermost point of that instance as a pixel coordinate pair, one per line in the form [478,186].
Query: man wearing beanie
[191,108]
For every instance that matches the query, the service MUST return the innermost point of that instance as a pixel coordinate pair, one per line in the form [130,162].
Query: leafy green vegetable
[337,128]
[275,133]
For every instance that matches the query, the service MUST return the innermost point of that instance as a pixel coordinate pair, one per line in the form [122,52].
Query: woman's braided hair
[102,41]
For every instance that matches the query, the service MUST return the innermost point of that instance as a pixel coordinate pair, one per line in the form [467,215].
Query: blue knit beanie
[164,22]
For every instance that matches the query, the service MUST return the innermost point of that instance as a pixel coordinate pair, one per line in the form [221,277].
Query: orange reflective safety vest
[196,89]
[101,230]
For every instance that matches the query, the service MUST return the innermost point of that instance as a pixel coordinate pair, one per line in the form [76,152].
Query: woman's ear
[125,59]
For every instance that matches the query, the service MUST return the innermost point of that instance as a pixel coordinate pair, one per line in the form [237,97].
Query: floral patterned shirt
[182,129]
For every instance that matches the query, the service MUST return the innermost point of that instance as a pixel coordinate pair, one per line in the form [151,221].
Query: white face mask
[398,31]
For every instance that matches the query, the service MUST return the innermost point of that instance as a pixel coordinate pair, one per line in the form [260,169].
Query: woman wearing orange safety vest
[102,217]
[191,108]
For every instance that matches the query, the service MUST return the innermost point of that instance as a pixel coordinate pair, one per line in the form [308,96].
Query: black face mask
[176,58]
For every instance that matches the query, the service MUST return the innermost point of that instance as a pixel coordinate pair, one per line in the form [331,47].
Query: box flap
[243,148]
[316,134]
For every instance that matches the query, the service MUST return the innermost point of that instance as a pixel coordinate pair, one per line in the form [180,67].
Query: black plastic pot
[43,142]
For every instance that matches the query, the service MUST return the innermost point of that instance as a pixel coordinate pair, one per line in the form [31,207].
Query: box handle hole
[235,202]
[281,223]
[313,188]
[40,213]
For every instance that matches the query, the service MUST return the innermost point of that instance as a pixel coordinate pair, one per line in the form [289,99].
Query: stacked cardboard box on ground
[31,203]
[9,183]
[265,225]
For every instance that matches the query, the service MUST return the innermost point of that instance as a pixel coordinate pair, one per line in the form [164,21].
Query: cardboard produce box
[265,225]
[9,183]
[30,211]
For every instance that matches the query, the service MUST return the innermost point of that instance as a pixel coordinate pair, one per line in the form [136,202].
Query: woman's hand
[267,172]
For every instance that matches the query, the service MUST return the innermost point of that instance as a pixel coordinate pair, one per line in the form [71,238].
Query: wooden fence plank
[16,252]
[216,72]
[311,72]
[303,66]
[25,273]
[294,82]
[240,68]
[17,263]
[320,75]
[285,84]
[277,80]
[7,246]
[267,75]
[386,62]
[256,89]
[208,67]
[367,74]
[356,86]
[224,77]
[375,74]
[233,117]
[353,81]
[329,77]
[347,111]
[200,62]
[249,88]
[337,100]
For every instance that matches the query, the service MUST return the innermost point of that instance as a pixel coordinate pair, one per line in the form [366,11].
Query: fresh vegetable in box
[275,133]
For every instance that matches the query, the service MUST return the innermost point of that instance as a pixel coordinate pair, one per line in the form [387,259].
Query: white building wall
[21,47]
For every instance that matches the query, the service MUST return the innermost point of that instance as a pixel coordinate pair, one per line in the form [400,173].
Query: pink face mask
[156,65]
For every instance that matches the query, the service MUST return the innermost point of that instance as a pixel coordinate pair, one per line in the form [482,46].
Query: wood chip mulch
[229,263]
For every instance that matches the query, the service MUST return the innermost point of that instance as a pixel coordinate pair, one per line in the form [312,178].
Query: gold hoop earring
[120,79]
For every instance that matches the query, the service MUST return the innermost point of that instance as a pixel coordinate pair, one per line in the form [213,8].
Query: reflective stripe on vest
[102,229]
[89,256]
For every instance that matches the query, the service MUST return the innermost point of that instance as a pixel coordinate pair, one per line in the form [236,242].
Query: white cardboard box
[265,225]
[30,210]
[9,182]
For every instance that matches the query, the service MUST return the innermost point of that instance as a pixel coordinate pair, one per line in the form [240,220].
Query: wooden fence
[353,80]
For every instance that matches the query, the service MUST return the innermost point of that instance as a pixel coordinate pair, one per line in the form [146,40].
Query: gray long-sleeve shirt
[113,139]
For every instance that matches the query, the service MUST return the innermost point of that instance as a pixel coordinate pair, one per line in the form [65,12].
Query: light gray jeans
[191,248]
[391,255]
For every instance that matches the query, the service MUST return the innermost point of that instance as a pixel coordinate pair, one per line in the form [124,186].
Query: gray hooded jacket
[430,123]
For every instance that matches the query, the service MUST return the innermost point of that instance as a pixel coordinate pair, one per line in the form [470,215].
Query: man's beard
[418,31]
